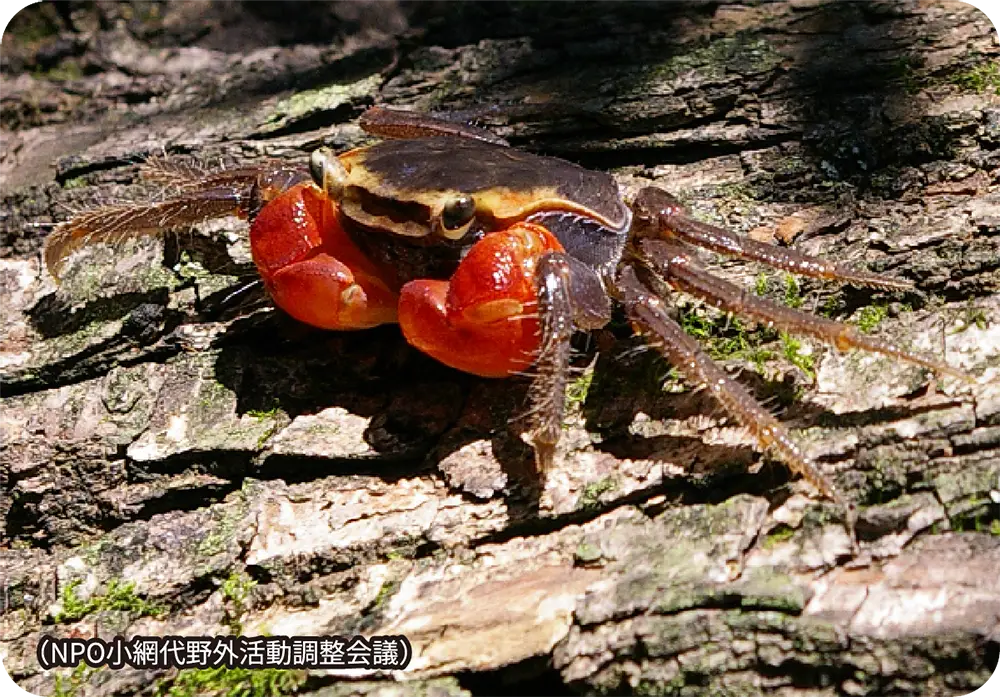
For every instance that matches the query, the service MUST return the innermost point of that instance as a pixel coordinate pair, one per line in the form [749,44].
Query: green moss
[980,521]
[793,294]
[973,315]
[738,54]
[738,191]
[399,554]
[766,589]
[870,317]
[262,414]
[831,306]
[777,536]
[591,496]
[70,685]
[817,517]
[978,317]
[761,284]
[786,168]
[696,324]
[577,391]
[306,103]
[885,182]
[119,597]
[213,543]
[905,70]
[231,682]
[653,688]
[235,591]
[967,484]
[273,420]
[87,281]
[386,591]
[726,337]
[67,70]
[587,553]
[34,23]
[266,436]
[980,78]
[792,349]
[237,587]
[214,396]
[758,357]
[220,535]
[886,481]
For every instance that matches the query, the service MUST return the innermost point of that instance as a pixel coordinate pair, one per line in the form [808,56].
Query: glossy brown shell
[508,185]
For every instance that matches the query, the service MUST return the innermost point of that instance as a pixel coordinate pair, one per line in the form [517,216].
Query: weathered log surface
[244,473]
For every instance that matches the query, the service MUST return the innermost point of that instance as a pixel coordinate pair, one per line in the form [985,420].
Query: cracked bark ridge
[233,470]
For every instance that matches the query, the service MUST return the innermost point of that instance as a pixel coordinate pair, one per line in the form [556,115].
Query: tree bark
[175,463]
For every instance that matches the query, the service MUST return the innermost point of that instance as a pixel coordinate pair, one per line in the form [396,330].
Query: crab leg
[658,213]
[548,389]
[570,296]
[211,195]
[649,317]
[394,123]
[680,270]
[186,174]
[115,224]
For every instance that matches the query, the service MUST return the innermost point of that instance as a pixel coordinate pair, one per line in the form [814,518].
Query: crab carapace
[489,259]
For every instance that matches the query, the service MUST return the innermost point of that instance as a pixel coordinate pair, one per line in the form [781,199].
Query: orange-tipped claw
[484,320]
[323,292]
[311,267]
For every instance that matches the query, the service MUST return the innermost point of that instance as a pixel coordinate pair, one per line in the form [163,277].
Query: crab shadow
[642,411]
[416,408]
[418,411]
[426,418]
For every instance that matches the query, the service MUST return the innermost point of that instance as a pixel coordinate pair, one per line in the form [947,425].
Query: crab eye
[327,171]
[457,214]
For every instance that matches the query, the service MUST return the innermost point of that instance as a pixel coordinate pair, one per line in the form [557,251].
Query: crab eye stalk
[456,216]
[328,172]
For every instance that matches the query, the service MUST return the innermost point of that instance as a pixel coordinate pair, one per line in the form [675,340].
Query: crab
[489,259]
